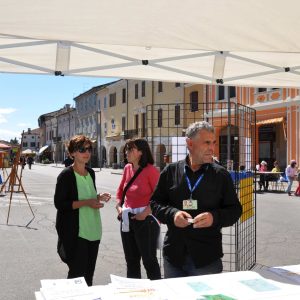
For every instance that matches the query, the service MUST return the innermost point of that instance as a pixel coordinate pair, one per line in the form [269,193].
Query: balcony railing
[56,139]
[132,133]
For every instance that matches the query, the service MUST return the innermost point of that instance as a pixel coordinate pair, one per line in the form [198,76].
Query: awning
[4,146]
[28,151]
[113,136]
[196,42]
[43,149]
[270,121]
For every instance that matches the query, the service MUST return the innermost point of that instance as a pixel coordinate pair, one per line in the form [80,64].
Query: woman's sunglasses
[84,149]
[129,149]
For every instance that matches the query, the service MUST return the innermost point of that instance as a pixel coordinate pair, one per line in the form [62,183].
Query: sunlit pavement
[28,254]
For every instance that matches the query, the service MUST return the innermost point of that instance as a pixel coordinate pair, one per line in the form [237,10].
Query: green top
[90,227]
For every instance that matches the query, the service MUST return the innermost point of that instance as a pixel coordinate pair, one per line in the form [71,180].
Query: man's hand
[180,219]
[203,220]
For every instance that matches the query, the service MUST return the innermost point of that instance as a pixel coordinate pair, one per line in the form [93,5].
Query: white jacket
[290,172]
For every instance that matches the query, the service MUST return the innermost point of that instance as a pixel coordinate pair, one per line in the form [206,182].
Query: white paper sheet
[247,285]
[292,273]
[128,288]
[67,289]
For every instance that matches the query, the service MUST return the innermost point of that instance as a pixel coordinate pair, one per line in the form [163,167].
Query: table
[243,285]
[266,177]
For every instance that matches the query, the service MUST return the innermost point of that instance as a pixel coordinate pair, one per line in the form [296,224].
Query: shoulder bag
[139,170]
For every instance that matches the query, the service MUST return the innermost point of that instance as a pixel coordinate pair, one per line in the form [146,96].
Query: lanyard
[189,182]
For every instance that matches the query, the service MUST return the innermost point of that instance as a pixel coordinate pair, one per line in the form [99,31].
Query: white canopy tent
[234,42]
[28,151]
[43,149]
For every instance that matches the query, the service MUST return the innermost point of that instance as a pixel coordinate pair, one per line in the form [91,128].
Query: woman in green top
[78,221]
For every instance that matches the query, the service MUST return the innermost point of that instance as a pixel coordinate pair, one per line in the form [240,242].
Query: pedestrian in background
[290,173]
[195,197]
[29,161]
[263,180]
[23,161]
[78,220]
[297,192]
[276,167]
[139,229]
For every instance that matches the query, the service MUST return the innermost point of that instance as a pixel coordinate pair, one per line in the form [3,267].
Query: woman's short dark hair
[77,142]
[143,146]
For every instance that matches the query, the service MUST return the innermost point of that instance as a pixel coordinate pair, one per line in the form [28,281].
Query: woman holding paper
[78,221]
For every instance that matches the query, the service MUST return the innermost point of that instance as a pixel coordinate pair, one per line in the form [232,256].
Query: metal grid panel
[235,126]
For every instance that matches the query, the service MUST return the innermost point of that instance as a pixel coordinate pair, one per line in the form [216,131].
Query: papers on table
[66,289]
[126,288]
[292,273]
[247,285]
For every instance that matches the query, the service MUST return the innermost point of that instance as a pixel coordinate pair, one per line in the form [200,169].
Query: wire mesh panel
[235,127]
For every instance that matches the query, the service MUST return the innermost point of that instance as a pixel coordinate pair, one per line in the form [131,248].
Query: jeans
[289,187]
[189,269]
[84,260]
[141,242]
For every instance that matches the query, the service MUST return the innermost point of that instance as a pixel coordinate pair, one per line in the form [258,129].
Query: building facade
[87,108]
[56,128]
[66,121]
[112,113]
[124,115]
[277,119]
[31,139]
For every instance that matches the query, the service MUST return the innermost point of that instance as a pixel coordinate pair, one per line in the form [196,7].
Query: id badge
[190,204]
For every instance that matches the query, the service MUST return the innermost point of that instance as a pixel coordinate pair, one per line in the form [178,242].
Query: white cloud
[7,135]
[24,125]
[4,112]
[2,119]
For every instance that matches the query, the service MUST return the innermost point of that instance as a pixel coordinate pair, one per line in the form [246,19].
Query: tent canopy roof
[28,151]
[234,42]
[4,146]
[43,149]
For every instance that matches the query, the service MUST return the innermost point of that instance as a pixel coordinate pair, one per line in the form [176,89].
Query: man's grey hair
[194,128]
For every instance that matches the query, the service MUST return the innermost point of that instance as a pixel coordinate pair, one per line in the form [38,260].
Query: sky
[23,98]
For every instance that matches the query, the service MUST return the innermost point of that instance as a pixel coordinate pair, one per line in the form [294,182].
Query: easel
[5,173]
[14,179]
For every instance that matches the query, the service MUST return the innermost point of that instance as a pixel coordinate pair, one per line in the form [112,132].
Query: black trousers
[263,181]
[141,242]
[84,260]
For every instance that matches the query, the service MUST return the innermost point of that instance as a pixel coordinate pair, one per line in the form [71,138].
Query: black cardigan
[67,218]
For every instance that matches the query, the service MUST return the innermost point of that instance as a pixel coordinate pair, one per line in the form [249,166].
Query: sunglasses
[84,149]
[129,149]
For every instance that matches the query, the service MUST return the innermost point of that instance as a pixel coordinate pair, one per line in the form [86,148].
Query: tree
[14,141]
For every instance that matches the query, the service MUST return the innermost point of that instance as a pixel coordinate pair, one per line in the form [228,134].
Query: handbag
[140,169]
